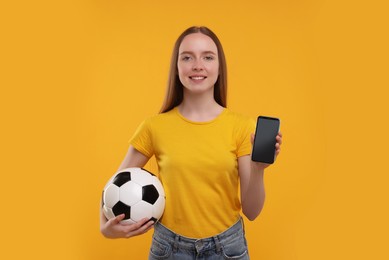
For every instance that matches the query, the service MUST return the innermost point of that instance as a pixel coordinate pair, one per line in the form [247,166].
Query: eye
[185,58]
[209,57]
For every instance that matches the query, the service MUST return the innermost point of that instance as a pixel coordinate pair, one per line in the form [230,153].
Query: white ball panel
[158,186]
[159,207]
[108,212]
[141,210]
[141,177]
[111,195]
[130,193]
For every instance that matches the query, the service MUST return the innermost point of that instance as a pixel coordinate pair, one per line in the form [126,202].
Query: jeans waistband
[193,243]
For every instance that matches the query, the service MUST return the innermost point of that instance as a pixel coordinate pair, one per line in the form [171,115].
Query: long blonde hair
[174,94]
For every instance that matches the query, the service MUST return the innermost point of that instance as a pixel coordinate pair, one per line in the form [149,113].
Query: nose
[197,65]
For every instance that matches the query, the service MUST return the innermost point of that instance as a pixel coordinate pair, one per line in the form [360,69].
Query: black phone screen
[265,139]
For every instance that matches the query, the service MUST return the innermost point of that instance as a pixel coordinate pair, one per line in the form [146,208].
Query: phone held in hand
[265,139]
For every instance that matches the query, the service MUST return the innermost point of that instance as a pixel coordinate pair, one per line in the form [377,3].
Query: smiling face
[198,63]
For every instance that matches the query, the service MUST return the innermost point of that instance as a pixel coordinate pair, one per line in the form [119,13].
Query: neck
[201,107]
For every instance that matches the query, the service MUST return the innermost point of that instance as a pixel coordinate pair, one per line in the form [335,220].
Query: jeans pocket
[235,249]
[160,249]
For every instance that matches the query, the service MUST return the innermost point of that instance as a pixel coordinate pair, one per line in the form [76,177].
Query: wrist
[257,167]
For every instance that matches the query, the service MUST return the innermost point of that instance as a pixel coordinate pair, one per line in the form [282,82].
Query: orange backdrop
[77,77]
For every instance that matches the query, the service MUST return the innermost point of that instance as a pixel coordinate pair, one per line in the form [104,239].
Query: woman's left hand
[277,152]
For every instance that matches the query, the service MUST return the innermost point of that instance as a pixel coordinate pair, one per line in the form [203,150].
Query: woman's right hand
[113,228]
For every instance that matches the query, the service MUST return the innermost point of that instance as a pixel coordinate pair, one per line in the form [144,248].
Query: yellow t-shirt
[198,168]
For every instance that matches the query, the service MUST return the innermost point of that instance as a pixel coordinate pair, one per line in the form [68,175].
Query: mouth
[197,77]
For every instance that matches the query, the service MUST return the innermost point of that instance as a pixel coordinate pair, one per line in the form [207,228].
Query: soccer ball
[135,192]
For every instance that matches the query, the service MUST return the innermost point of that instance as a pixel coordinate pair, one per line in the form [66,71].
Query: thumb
[118,218]
[252,138]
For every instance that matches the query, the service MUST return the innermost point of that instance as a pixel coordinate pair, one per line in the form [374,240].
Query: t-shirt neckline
[200,122]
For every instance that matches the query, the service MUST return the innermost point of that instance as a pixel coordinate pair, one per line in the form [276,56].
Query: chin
[199,89]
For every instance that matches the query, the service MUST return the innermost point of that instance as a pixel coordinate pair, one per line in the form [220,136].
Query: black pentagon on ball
[150,194]
[122,178]
[121,208]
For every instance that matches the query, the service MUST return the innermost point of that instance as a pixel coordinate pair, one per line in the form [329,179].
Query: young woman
[203,154]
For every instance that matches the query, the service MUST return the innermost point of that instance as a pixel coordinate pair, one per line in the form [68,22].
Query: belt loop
[242,222]
[175,246]
[217,243]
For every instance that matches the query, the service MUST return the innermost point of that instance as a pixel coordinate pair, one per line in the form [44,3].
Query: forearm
[253,198]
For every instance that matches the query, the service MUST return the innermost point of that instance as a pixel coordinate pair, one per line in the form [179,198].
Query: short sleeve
[244,137]
[142,139]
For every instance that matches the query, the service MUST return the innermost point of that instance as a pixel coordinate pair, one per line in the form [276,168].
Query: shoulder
[162,116]
[158,119]
[239,118]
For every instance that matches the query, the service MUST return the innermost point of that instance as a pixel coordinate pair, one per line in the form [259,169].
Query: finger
[280,134]
[149,227]
[141,230]
[278,149]
[117,219]
[137,225]
[279,139]
[146,227]
[252,138]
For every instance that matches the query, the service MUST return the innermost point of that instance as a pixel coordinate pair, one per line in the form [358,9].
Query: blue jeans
[230,244]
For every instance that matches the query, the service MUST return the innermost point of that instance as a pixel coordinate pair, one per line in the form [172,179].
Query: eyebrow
[190,52]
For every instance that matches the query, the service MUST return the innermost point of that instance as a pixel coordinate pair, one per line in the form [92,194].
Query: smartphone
[264,147]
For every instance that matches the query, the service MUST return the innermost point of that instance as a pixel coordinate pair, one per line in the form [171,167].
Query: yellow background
[77,77]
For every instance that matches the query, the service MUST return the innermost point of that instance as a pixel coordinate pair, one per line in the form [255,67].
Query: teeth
[197,78]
